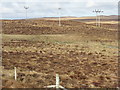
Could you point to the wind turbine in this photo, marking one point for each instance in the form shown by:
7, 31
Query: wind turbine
59, 17
26, 8
99, 11
98, 17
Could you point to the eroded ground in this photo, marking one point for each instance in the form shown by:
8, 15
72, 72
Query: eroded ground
86, 58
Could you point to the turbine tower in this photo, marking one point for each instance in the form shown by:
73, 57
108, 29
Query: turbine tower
98, 17
59, 17
26, 8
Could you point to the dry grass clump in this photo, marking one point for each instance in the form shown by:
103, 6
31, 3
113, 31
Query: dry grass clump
83, 55
76, 68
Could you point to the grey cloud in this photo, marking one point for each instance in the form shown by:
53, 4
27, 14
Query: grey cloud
43, 9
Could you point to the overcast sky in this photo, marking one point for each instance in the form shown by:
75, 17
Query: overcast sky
13, 9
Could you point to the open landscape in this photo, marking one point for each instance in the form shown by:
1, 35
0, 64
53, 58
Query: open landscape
83, 54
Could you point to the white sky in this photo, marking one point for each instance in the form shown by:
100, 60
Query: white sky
49, 8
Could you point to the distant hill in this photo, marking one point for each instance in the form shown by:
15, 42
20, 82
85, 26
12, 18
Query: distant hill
86, 18
112, 19
89, 18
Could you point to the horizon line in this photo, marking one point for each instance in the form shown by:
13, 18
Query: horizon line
51, 17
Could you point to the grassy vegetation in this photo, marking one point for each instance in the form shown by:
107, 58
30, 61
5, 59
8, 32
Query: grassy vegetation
72, 39
86, 58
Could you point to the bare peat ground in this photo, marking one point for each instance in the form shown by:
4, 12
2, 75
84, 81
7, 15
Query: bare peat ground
83, 55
